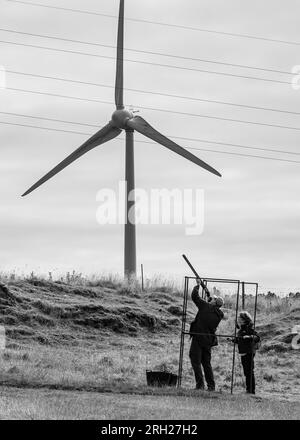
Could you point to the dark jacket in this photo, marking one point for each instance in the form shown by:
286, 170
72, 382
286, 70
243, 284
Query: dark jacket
206, 320
248, 345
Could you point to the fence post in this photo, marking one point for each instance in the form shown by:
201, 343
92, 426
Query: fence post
243, 295
234, 345
142, 273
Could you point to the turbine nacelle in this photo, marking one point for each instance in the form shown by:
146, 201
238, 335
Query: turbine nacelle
121, 117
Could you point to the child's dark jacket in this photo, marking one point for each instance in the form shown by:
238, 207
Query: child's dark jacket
247, 345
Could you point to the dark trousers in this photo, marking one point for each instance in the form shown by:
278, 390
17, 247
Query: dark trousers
248, 367
201, 356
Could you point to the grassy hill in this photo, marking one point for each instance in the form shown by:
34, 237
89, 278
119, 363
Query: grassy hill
101, 335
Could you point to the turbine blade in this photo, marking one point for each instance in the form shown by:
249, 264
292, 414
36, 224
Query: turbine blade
139, 124
120, 59
104, 135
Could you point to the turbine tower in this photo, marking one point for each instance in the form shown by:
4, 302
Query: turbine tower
123, 119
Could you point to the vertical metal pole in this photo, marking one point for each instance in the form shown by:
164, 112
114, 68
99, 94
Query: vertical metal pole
243, 295
235, 323
254, 322
183, 321
181, 336
183, 327
255, 304
142, 274
130, 234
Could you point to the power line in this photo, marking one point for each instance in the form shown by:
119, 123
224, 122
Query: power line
56, 95
220, 118
149, 142
211, 31
149, 52
245, 155
148, 63
207, 141
154, 93
44, 128
51, 119
158, 110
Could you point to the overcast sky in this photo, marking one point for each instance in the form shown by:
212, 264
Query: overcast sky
251, 214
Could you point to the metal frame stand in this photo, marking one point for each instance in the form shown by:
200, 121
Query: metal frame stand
238, 284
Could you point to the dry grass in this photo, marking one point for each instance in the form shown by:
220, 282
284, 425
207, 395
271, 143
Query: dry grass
65, 405
103, 336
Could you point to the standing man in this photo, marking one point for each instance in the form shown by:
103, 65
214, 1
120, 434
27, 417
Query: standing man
206, 322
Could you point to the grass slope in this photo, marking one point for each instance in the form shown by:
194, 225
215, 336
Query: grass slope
102, 336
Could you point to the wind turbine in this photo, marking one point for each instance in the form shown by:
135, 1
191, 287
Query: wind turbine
123, 119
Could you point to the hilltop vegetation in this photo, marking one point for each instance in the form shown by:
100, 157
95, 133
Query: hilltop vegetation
53, 313
102, 335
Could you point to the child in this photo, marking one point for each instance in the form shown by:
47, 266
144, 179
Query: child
248, 341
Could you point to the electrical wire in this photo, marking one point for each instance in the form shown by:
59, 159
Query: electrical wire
22, 115
157, 110
229, 34
148, 63
169, 95
244, 155
243, 66
149, 142
207, 141
44, 128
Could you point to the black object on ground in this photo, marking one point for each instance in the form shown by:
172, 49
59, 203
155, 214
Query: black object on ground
161, 379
